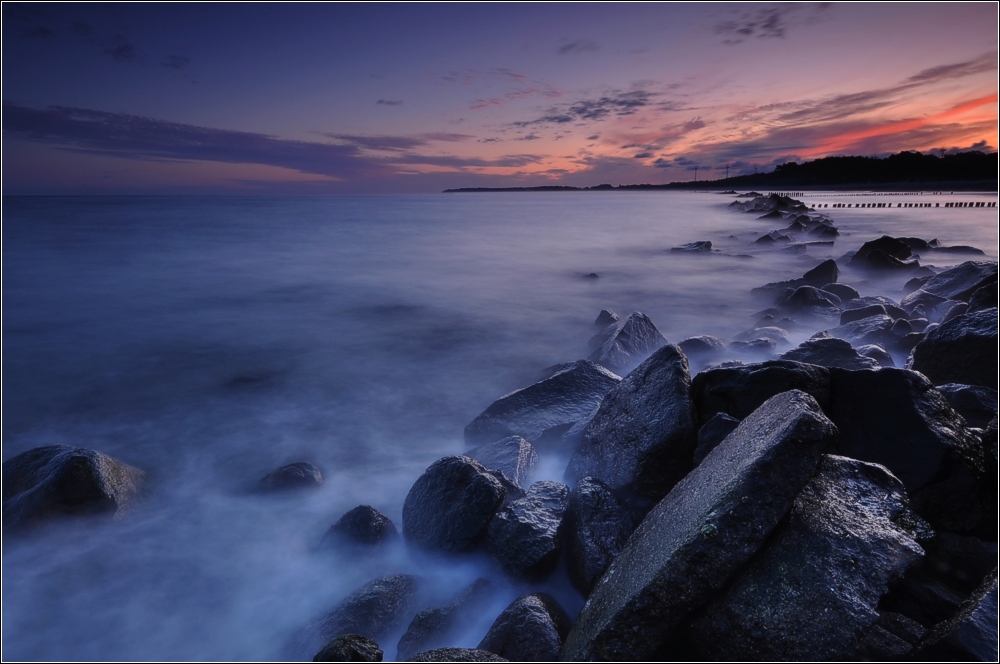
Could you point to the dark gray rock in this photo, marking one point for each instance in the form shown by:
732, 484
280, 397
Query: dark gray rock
824, 273
851, 315
703, 345
298, 475
712, 433
892, 308
531, 629
449, 507
640, 440
889, 638
438, 626
952, 310
870, 330
977, 405
514, 456
362, 526
760, 347
878, 353
810, 298
524, 536
971, 635
738, 391
918, 324
350, 648
830, 353
885, 252
775, 334
693, 542
812, 593
984, 298
961, 281
843, 291
921, 298
963, 350
915, 283
545, 409
627, 343
694, 247
605, 318
59, 481
456, 655
595, 529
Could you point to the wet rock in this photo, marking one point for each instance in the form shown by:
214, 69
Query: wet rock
436, 627
362, 526
772, 237
885, 252
892, 308
810, 298
977, 405
984, 298
960, 249
591, 275
915, 283
775, 334
703, 532
971, 635
870, 330
531, 629
738, 391
921, 298
961, 281
852, 315
703, 345
456, 655
605, 318
350, 648
524, 536
546, 409
812, 593
298, 475
596, 528
877, 353
890, 638
900, 328
830, 353
843, 291
824, 273
763, 347
514, 456
694, 247
60, 481
627, 343
451, 504
712, 433
918, 324
909, 342
963, 350
954, 310
640, 440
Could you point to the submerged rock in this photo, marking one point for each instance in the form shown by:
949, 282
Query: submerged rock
596, 527
524, 536
627, 343
830, 353
436, 627
350, 648
60, 481
694, 247
963, 350
514, 456
531, 629
702, 345
362, 526
293, 476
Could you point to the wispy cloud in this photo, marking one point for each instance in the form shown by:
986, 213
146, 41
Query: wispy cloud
389, 102
616, 104
769, 22
579, 46
177, 62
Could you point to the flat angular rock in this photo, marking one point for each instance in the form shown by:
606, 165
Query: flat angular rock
870, 330
640, 440
627, 343
977, 405
524, 536
738, 391
298, 475
760, 347
692, 543
712, 433
963, 350
812, 593
775, 334
825, 273
830, 353
892, 308
60, 481
961, 281
531, 629
362, 526
971, 635
457, 655
436, 627
514, 456
852, 315
921, 298
605, 318
595, 529
449, 507
350, 648
809, 298
546, 408
843, 291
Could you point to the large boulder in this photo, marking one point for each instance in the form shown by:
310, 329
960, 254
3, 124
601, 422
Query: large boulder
595, 529
514, 456
546, 409
706, 529
362, 526
810, 299
350, 648
977, 405
59, 480
870, 330
449, 507
830, 353
438, 626
961, 281
984, 297
457, 655
524, 536
712, 433
969, 636
892, 308
531, 629
738, 391
626, 343
963, 350
812, 593
851, 315
640, 440
884, 253
824, 273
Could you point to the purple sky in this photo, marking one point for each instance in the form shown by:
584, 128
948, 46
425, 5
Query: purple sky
206, 98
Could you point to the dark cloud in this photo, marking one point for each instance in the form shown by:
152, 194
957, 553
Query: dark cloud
510, 161
530, 137
177, 62
579, 46
593, 137
120, 49
769, 22
40, 32
642, 155
80, 28
397, 143
448, 137
389, 102
984, 63
614, 105
662, 163
490, 140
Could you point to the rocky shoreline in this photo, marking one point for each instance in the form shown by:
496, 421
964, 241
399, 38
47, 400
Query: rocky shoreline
723, 500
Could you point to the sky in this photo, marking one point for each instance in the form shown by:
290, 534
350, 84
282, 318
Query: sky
401, 98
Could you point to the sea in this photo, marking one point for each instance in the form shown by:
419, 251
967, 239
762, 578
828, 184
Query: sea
210, 340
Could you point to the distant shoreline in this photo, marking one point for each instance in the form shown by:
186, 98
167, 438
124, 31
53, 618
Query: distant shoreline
984, 186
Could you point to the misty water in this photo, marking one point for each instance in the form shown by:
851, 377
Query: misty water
211, 340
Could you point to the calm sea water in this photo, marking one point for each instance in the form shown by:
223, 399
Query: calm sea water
210, 340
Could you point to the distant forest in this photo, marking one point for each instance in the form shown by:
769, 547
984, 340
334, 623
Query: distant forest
902, 168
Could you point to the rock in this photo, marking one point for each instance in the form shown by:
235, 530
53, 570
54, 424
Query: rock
627, 343
435, 627
738, 391
843, 291
513, 456
591, 275
885, 252
451, 504
830, 353
756, 346
890, 637
703, 345
524, 536
963, 350
456, 655
971, 635
921, 298
915, 283
950, 309
605, 318
694, 247
362, 526
375, 610
812, 593
692, 543
596, 527
640, 440
870, 330
984, 298
293, 476
350, 648
59, 481
960, 249
772, 237
961, 281
824, 273
852, 315
775, 334
977, 405
891, 307
531, 629
918, 324
900, 328
546, 409
711, 433
877, 353
809, 298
